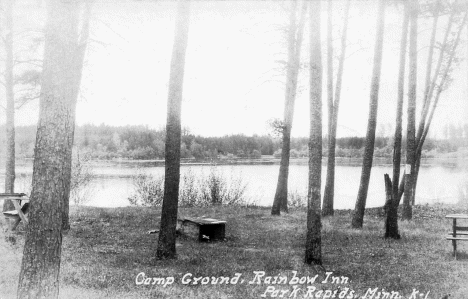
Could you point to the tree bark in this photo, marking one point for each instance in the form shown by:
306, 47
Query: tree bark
313, 253
10, 107
329, 193
411, 124
391, 224
358, 216
167, 235
40, 267
294, 56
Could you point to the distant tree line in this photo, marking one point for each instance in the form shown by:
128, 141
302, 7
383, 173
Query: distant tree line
141, 143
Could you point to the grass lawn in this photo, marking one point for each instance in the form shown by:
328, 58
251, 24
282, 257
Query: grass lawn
107, 248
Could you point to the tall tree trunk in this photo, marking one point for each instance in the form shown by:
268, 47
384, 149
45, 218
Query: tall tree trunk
313, 253
167, 234
40, 267
329, 193
327, 208
294, 55
391, 224
10, 107
411, 124
281, 194
358, 215
399, 110
78, 60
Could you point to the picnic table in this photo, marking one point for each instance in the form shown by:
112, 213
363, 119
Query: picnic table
21, 203
205, 229
458, 233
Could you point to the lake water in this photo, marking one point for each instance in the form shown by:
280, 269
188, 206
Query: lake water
113, 182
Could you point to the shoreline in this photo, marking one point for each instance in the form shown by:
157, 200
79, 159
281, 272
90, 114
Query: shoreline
266, 160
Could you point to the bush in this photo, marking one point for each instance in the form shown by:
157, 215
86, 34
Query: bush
142, 153
277, 153
189, 193
217, 190
149, 190
256, 154
81, 177
293, 153
214, 189
296, 200
235, 194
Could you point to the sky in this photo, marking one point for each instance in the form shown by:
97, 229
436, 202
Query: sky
234, 81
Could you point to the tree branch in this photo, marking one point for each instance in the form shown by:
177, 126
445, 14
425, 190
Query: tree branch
25, 101
35, 62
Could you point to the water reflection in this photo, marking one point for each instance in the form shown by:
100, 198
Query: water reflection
113, 184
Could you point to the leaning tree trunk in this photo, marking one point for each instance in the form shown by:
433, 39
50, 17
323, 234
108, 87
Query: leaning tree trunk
78, 60
281, 195
407, 213
10, 106
329, 193
358, 215
391, 223
428, 89
294, 53
429, 94
313, 253
40, 267
167, 233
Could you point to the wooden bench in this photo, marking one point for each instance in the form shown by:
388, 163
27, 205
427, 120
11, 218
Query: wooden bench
458, 233
204, 229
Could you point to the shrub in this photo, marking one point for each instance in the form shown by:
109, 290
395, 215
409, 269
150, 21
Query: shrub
214, 189
81, 177
149, 190
277, 153
293, 153
189, 193
296, 200
235, 193
143, 153
256, 154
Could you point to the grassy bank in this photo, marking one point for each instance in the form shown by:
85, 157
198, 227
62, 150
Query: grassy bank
107, 248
